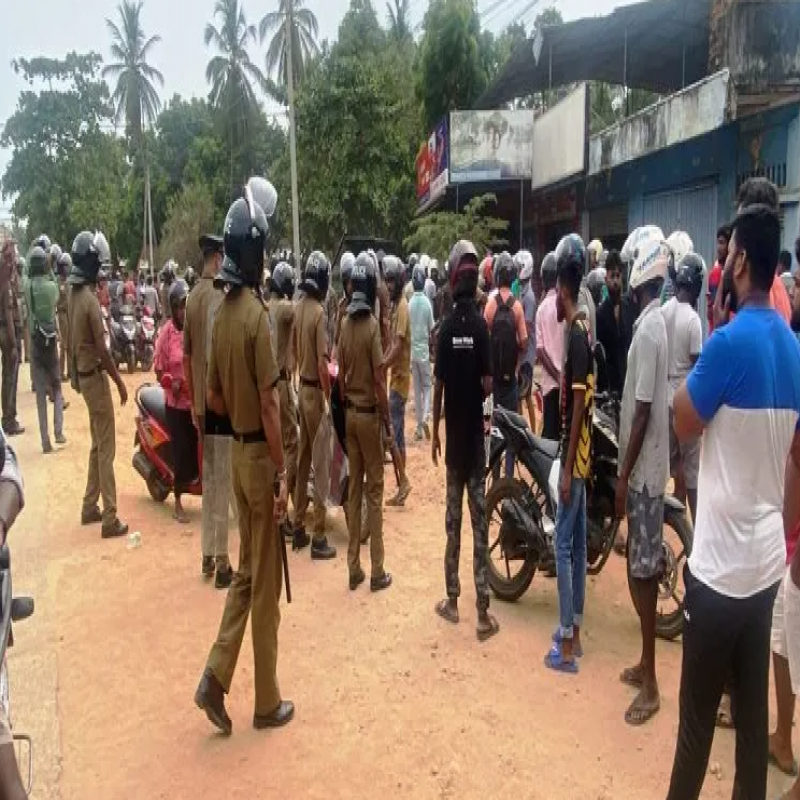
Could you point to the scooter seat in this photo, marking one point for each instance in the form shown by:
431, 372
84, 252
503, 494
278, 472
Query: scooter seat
152, 400
546, 447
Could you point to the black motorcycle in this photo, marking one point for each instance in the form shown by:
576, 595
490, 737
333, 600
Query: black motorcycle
521, 513
123, 338
12, 609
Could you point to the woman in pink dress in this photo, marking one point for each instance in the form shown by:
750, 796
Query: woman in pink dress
169, 362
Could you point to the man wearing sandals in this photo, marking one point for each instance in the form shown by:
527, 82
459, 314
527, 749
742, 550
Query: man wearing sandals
464, 380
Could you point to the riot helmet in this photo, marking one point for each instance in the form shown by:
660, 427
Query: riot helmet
503, 270
90, 251
346, 264
317, 275
190, 276
43, 241
64, 265
263, 194
418, 278
282, 281
365, 286
37, 261
245, 236
393, 275
178, 293
690, 274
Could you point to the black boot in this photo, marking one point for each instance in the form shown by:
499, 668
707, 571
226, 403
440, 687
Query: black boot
210, 697
300, 539
321, 550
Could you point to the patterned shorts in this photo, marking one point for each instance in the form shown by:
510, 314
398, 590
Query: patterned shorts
645, 533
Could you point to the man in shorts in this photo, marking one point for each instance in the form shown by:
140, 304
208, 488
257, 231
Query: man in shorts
644, 464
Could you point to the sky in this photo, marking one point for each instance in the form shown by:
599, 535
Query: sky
54, 27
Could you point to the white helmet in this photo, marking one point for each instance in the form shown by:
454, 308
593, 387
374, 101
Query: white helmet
632, 243
680, 244
523, 261
425, 263
651, 261
596, 247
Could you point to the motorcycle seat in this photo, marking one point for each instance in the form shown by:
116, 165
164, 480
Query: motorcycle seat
151, 398
545, 446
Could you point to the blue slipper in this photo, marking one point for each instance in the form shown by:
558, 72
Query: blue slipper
554, 661
557, 640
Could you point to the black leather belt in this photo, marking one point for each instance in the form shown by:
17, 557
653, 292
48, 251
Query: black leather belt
90, 373
254, 437
360, 409
313, 384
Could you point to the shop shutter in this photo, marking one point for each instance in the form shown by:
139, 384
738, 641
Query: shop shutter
608, 222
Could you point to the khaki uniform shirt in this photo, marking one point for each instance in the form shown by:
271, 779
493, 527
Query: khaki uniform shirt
201, 307
87, 334
63, 293
241, 363
311, 337
384, 314
360, 358
401, 369
281, 313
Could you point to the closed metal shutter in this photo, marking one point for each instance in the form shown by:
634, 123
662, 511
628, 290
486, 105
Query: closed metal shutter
608, 221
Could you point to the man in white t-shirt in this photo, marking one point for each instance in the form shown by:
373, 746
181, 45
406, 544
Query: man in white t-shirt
684, 342
743, 395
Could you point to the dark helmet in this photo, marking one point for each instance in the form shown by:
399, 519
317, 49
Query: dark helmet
595, 282
37, 261
418, 278
43, 241
503, 269
691, 272
55, 253
365, 285
282, 280
178, 293
413, 260
317, 275
64, 265
549, 269
571, 250
463, 259
90, 251
190, 276
393, 271
346, 264
246, 232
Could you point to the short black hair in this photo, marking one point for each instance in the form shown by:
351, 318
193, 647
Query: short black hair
724, 232
758, 232
785, 260
613, 261
570, 277
759, 191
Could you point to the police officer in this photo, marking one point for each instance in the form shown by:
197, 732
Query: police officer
63, 268
190, 277
363, 385
9, 343
92, 364
311, 346
281, 313
346, 264
242, 384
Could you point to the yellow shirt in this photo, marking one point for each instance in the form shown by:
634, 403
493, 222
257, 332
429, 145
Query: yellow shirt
401, 369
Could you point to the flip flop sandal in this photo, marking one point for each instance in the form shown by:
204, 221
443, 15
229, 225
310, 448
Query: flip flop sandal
487, 633
791, 772
553, 660
446, 613
556, 639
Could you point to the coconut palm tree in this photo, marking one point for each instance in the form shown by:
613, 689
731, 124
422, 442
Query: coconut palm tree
305, 30
399, 20
231, 73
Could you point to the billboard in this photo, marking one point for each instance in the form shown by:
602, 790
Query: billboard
559, 140
491, 146
433, 161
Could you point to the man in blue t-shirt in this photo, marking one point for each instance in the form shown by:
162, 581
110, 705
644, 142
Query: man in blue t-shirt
743, 395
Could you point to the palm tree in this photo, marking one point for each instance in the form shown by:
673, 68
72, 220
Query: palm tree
399, 20
135, 96
231, 73
305, 30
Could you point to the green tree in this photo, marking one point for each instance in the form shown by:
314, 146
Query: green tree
452, 74
438, 232
399, 12
190, 214
305, 30
360, 33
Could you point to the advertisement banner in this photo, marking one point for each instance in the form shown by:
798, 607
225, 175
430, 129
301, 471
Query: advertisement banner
491, 146
433, 161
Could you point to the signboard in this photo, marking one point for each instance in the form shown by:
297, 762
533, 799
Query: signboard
433, 175
491, 146
559, 140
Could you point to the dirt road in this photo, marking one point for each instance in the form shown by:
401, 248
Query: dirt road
391, 701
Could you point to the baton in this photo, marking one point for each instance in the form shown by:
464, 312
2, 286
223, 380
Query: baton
284, 557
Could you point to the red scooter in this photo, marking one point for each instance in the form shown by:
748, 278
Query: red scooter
153, 459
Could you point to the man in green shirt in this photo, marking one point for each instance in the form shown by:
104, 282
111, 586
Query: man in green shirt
41, 295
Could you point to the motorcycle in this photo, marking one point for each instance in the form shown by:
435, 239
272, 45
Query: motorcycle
153, 458
145, 337
522, 511
123, 338
12, 609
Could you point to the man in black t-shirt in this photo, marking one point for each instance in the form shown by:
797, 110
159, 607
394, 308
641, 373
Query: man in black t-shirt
615, 318
464, 380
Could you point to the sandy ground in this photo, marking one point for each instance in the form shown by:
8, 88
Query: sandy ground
391, 701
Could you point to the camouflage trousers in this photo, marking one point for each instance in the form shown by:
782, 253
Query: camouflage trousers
476, 499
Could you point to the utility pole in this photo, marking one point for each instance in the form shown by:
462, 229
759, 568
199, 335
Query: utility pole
292, 136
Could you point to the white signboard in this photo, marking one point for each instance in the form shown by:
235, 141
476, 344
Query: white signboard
559, 140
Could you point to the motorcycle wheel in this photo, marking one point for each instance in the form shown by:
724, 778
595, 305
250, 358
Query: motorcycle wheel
677, 547
506, 586
158, 491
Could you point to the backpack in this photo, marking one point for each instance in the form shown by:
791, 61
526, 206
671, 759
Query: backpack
504, 341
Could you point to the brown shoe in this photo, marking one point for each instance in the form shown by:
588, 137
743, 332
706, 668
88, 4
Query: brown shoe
114, 530
210, 697
91, 516
281, 716
224, 578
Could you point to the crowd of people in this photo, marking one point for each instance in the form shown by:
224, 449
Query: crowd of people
251, 368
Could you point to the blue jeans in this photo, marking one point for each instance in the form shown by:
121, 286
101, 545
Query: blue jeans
571, 557
397, 413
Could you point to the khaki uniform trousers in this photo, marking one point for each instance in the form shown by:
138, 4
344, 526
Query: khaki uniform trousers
217, 494
63, 329
258, 582
289, 434
365, 458
96, 392
312, 407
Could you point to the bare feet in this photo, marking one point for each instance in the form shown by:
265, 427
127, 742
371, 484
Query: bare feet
180, 515
448, 610
644, 706
487, 626
782, 756
632, 676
